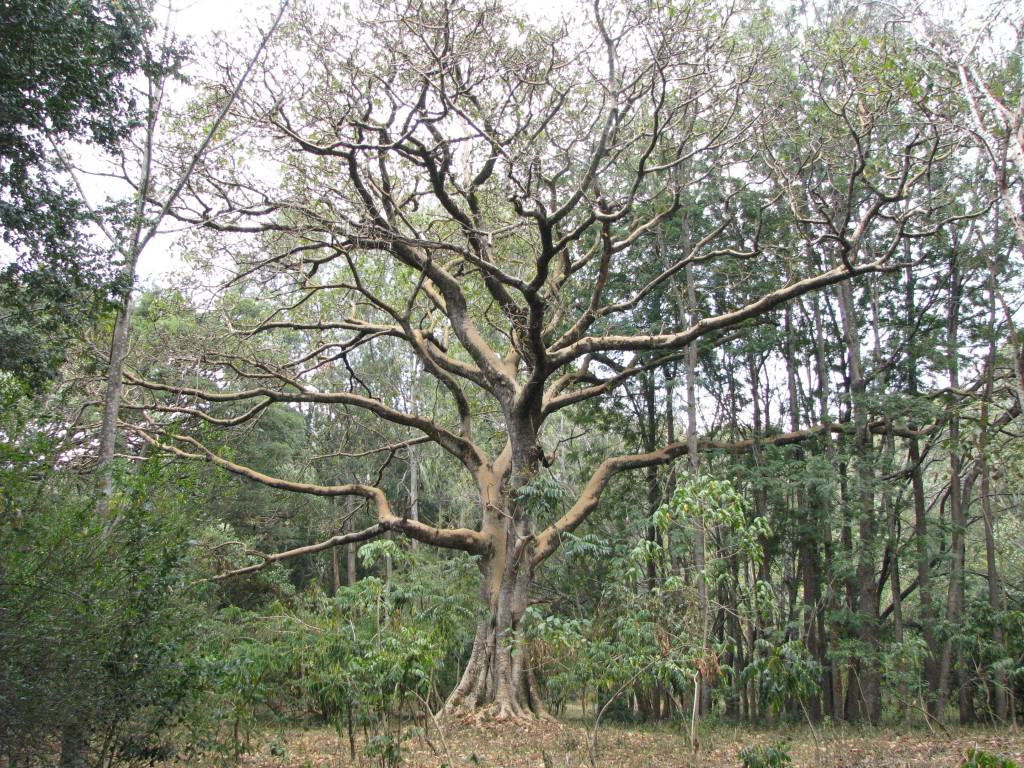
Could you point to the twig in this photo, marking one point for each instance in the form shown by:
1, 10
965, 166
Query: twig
437, 727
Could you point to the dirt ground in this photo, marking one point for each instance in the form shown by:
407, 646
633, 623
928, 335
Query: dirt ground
561, 745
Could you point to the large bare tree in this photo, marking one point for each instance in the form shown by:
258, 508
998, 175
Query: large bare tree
486, 194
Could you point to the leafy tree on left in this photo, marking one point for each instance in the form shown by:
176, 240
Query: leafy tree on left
65, 67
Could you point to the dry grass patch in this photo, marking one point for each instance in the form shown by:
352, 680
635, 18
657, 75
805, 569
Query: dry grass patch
564, 745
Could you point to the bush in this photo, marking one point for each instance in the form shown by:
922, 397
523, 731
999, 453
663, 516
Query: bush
96, 626
766, 756
370, 658
977, 758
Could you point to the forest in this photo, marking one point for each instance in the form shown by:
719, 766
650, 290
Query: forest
615, 383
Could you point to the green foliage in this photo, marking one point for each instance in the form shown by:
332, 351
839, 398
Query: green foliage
903, 663
384, 751
766, 756
98, 626
640, 639
374, 551
367, 657
645, 630
64, 70
219, 547
783, 671
541, 496
978, 758
717, 503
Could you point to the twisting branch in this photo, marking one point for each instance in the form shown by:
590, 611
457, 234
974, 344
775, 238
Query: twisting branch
464, 450
669, 341
375, 530
448, 538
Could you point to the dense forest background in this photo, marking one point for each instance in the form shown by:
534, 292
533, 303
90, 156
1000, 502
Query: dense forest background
658, 363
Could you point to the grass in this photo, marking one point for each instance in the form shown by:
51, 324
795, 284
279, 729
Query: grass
564, 745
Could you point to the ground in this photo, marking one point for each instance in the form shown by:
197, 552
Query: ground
562, 745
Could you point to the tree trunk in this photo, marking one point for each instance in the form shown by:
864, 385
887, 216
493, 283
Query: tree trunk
414, 489
649, 433
352, 549
498, 680
832, 680
957, 518
808, 525
869, 676
926, 608
74, 745
335, 572
995, 595
893, 543
995, 587
693, 459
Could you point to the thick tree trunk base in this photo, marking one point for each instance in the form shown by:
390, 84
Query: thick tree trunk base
498, 683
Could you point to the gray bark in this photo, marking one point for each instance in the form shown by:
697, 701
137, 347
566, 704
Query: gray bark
868, 673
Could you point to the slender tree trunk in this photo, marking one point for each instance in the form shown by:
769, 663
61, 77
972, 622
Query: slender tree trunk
649, 432
894, 544
995, 596
869, 677
75, 738
334, 580
352, 549
693, 459
688, 310
832, 678
670, 437
888, 503
958, 522
995, 587
760, 510
926, 609
112, 396
414, 489
649, 698
737, 629
809, 529
131, 249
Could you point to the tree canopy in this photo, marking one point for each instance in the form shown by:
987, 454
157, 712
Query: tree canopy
65, 70
510, 204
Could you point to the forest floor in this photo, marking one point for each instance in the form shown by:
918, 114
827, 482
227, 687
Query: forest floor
565, 745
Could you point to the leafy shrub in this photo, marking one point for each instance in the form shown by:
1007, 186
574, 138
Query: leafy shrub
384, 750
783, 671
97, 623
766, 756
369, 657
977, 758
